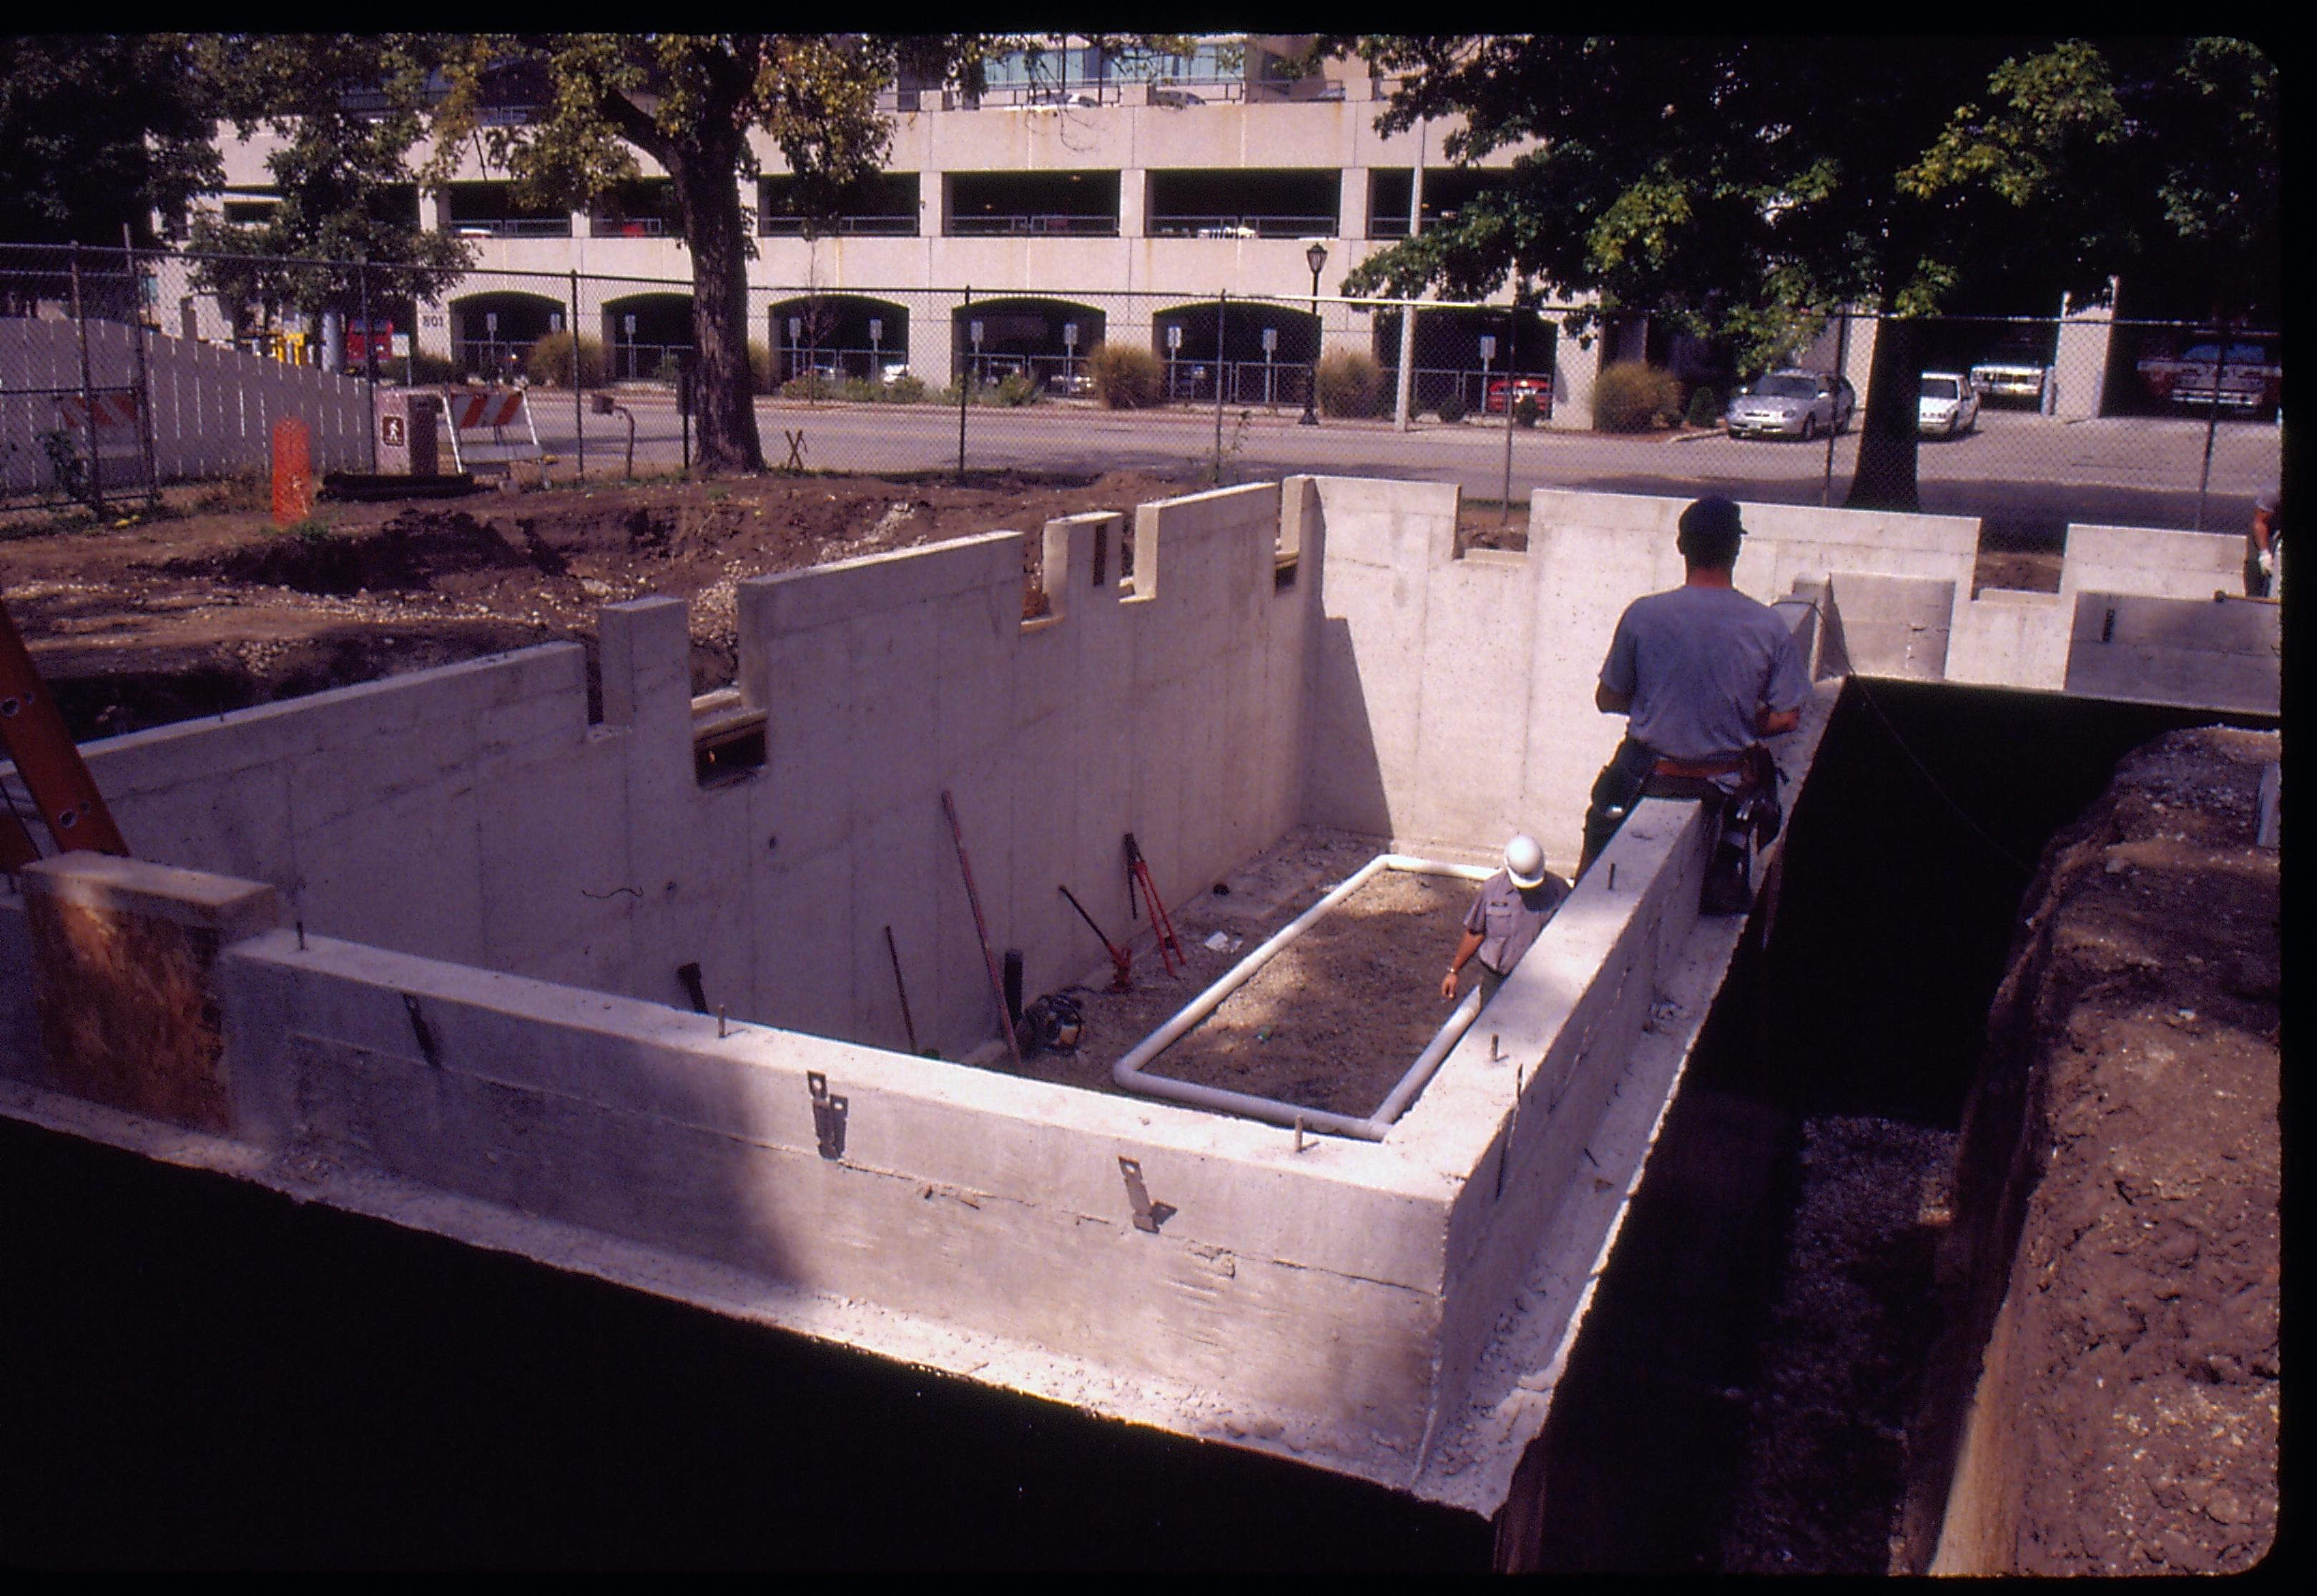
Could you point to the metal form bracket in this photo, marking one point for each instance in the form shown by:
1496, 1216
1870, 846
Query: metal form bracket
1147, 1215
828, 1116
430, 1049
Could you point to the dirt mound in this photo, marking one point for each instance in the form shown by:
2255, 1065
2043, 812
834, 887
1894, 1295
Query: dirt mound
2117, 1244
209, 607
409, 553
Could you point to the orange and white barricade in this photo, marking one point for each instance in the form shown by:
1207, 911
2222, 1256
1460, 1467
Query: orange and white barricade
118, 437
497, 408
114, 410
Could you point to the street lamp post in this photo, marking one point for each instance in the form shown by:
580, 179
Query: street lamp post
1317, 258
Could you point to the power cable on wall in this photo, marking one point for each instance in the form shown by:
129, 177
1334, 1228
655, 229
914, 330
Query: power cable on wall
1944, 796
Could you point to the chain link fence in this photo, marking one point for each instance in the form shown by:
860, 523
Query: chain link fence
121, 371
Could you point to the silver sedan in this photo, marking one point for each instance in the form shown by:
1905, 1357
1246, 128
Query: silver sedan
1792, 404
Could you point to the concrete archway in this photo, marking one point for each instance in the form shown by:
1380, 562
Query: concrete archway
1449, 351
491, 333
643, 334
842, 334
1046, 339
1250, 373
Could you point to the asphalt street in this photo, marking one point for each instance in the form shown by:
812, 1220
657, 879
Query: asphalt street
2016, 467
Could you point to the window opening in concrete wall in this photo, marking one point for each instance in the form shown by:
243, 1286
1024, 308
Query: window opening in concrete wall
1285, 203
998, 204
727, 738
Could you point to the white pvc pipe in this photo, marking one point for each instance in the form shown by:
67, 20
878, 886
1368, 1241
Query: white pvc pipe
1127, 1072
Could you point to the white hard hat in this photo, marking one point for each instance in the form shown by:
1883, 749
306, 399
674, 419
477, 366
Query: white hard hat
1525, 861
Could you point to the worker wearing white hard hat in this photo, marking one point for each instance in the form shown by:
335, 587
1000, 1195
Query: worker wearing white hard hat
1508, 913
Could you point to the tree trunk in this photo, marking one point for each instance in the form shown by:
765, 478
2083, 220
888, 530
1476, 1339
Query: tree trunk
1886, 478
723, 391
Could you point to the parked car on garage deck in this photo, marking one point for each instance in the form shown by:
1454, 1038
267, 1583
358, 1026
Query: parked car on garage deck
1790, 405
1945, 404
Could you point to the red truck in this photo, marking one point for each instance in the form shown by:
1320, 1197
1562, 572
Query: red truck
2250, 379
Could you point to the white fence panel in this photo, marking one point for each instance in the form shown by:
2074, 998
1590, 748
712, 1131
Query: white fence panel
212, 409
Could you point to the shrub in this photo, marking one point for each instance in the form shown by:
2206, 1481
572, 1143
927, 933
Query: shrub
427, 368
1526, 411
1704, 407
1632, 397
1350, 383
808, 384
1453, 409
550, 361
760, 368
1018, 388
670, 368
905, 390
1125, 376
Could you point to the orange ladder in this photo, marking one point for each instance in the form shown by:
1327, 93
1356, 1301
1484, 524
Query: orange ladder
32, 734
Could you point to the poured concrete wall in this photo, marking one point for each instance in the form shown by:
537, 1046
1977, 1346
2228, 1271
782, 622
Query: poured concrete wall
1452, 697
1168, 706
472, 813
486, 1040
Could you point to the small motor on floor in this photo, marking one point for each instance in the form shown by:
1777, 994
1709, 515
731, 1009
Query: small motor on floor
1052, 1024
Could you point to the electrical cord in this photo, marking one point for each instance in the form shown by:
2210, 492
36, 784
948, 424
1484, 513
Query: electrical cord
1921, 769
1933, 781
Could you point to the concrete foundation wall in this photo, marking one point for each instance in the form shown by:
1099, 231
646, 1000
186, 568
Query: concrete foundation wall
1452, 697
496, 895
1302, 1291
2222, 654
1167, 705
472, 813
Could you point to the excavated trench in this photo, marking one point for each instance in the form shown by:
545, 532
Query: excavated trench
202, 1371
1739, 1398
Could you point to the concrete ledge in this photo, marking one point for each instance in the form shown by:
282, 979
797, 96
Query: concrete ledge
122, 954
1888, 625
2151, 561
2222, 655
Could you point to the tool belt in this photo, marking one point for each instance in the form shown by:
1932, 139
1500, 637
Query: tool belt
1700, 770
1637, 771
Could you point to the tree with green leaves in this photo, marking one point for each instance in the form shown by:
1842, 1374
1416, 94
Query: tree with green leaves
98, 132
98, 135
351, 114
1747, 187
692, 101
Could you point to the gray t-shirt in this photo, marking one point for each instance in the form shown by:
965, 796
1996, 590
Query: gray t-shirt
1507, 920
1696, 662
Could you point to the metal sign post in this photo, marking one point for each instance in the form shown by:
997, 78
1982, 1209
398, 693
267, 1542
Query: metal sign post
1512, 396
579, 396
87, 393
370, 360
964, 379
1222, 309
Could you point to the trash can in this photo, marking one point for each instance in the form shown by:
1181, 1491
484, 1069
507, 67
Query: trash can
408, 432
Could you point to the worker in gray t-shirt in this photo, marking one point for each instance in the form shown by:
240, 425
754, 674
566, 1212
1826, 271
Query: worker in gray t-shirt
1508, 913
1702, 673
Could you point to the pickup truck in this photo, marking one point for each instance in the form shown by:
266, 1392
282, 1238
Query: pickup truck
2250, 379
2015, 371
